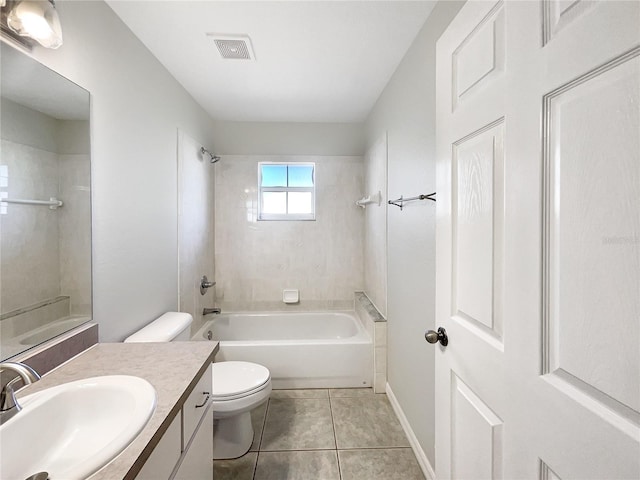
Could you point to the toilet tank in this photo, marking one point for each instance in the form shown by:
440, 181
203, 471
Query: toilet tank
170, 327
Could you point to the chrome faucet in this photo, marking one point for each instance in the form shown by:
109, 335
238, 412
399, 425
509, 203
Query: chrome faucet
207, 311
9, 405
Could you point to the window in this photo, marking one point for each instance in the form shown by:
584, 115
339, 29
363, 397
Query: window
287, 191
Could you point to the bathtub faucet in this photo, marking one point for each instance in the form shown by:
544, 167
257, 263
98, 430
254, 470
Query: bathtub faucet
207, 311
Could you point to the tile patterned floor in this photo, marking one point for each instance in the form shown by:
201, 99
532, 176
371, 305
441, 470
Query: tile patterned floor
335, 434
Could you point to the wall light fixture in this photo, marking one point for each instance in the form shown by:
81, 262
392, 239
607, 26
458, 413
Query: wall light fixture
35, 19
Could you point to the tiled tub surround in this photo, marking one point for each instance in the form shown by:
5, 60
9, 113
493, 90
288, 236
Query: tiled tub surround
376, 326
336, 434
172, 368
74, 224
45, 258
26, 327
45, 253
256, 260
375, 227
300, 349
30, 255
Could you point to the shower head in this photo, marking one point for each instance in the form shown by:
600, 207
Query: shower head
213, 158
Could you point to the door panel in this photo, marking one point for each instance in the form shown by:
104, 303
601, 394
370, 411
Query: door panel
470, 239
476, 435
479, 57
558, 14
591, 274
538, 250
477, 203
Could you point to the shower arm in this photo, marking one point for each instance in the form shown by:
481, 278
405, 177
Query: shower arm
213, 158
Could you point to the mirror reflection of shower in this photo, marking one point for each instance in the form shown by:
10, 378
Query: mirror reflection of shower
45, 207
213, 158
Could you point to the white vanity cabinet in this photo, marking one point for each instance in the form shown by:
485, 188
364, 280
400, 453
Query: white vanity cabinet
185, 451
197, 461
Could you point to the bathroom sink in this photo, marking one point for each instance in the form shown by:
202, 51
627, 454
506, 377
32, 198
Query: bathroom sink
74, 429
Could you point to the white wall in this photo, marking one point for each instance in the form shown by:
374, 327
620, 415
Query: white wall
276, 138
135, 112
255, 260
406, 110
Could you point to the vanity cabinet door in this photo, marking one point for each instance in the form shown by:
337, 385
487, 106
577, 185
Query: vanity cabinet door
196, 405
197, 462
185, 451
164, 457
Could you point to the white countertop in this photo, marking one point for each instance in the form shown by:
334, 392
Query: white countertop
172, 368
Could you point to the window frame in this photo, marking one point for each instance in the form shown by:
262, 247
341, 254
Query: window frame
287, 216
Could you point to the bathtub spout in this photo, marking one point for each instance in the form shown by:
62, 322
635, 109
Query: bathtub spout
207, 311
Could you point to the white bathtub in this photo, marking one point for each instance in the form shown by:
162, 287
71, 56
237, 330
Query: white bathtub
301, 350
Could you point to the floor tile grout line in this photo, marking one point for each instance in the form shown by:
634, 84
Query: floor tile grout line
278, 397
255, 466
335, 437
264, 423
300, 450
373, 448
332, 449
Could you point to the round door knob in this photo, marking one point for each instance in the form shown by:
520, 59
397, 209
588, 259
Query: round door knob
439, 336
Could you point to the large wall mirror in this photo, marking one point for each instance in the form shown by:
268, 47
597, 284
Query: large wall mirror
45, 204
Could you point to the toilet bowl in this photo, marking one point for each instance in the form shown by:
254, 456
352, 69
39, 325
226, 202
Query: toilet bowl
238, 388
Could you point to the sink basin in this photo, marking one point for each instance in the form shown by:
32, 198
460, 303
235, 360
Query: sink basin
74, 429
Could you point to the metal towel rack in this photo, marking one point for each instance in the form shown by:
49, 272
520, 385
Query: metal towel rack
53, 203
399, 202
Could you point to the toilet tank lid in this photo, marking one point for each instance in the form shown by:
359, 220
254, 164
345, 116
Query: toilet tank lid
164, 329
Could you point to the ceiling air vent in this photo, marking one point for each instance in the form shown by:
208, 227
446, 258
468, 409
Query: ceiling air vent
235, 47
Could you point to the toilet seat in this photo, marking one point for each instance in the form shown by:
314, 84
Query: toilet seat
233, 380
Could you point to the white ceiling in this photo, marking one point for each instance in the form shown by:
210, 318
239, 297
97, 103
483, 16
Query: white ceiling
316, 61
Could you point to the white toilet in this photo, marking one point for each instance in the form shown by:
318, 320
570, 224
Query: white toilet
169, 327
238, 387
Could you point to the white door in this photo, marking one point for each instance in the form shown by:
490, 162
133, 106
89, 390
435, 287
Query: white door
195, 226
538, 241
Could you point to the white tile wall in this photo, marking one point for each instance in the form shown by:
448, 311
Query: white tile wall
196, 245
30, 253
46, 253
74, 223
376, 326
255, 260
375, 236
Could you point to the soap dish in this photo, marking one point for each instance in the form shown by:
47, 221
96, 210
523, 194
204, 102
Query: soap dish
291, 296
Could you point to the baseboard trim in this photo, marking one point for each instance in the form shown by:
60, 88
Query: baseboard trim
423, 461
